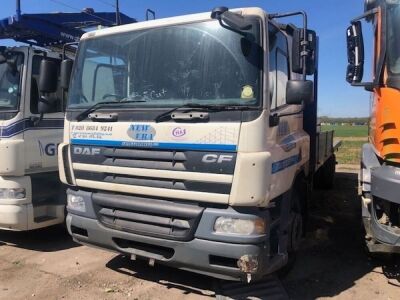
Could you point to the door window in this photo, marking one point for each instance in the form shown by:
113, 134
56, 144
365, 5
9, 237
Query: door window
278, 67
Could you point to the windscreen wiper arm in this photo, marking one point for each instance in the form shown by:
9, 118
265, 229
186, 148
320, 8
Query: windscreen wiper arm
83, 115
167, 115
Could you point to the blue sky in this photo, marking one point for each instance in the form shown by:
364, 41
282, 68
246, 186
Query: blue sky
328, 17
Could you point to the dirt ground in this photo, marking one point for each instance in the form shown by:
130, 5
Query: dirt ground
46, 264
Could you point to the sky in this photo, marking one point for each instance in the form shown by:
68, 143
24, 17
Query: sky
329, 18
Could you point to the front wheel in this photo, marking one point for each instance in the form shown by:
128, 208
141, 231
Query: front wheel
298, 215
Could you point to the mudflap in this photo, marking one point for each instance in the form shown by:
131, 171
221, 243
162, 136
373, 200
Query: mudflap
270, 287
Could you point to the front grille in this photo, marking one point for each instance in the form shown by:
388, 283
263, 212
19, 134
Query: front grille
163, 183
188, 161
176, 171
147, 216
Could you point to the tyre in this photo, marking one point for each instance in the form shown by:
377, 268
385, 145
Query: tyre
298, 217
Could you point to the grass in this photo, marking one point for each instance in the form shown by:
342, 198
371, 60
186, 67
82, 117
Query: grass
353, 137
349, 152
347, 130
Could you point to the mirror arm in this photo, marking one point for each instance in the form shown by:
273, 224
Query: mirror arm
37, 120
365, 15
304, 42
274, 118
369, 86
65, 46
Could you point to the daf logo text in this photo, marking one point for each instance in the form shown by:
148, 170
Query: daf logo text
86, 151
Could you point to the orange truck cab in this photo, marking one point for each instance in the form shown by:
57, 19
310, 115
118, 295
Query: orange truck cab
380, 159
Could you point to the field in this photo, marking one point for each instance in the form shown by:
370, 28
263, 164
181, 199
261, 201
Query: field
347, 130
352, 137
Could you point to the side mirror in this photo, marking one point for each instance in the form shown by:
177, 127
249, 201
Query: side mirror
47, 84
48, 76
299, 91
65, 73
355, 53
297, 48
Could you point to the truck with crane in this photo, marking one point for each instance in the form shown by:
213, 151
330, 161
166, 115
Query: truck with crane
192, 141
380, 158
31, 195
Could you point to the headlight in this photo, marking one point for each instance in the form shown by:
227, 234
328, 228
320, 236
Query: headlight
17, 193
76, 203
239, 226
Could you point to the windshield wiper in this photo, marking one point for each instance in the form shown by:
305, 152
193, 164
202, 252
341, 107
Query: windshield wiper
210, 108
83, 115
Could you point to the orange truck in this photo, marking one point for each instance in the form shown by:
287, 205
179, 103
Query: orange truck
380, 159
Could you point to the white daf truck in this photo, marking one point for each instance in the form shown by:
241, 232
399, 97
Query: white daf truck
192, 141
31, 114
28, 145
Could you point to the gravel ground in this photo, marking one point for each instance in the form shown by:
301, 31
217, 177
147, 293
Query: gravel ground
331, 263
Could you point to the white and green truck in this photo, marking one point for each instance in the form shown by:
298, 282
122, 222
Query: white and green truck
192, 141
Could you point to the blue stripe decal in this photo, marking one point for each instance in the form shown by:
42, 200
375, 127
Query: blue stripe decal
285, 163
155, 145
28, 124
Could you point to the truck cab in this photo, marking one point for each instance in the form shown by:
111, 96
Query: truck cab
187, 141
380, 158
31, 194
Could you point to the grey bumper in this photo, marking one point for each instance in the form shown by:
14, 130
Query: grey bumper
203, 252
192, 256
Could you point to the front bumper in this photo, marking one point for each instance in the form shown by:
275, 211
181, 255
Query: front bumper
16, 213
206, 252
14, 217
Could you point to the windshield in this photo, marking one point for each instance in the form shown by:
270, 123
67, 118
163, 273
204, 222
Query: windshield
10, 66
200, 63
393, 36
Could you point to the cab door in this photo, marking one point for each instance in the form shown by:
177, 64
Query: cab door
41, 138
286, 133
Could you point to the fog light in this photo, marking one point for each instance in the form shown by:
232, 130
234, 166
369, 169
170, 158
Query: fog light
248, 263
239, 226
76, 203
17, 193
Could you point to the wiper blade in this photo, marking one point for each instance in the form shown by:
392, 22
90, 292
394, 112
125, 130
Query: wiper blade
190, 106
83, 115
